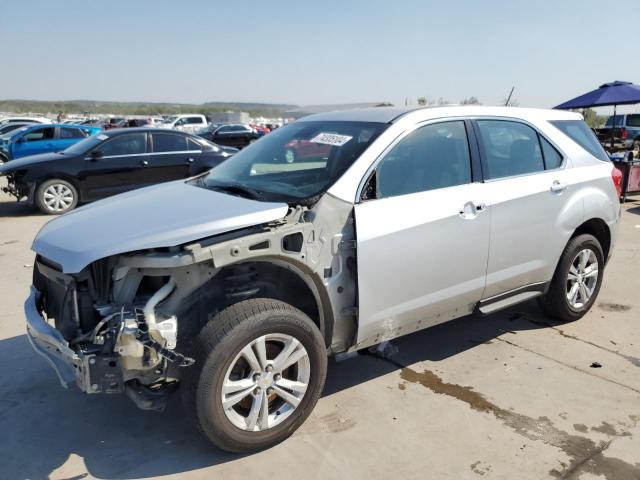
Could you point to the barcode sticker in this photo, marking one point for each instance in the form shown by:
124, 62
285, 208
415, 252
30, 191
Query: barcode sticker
333, 139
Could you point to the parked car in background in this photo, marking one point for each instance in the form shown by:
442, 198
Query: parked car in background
111, 162
305, 150
235, 286
37, 138
261, 130
25, 120
238, 136
114, 122
186, 122
625, 133
8, 127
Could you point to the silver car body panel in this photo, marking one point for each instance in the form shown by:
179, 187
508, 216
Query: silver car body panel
419, 262
164, 215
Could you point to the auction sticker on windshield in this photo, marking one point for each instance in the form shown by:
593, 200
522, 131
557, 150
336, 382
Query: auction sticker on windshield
333, 139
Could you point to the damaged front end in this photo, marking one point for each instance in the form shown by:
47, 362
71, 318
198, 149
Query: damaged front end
108, 334
16, 187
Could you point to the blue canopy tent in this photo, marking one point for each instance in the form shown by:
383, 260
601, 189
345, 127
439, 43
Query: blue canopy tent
614, 93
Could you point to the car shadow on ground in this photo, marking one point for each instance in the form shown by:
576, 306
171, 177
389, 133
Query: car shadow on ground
44, 424
17, 209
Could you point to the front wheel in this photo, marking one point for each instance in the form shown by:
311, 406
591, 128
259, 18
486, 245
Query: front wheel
56, 196
260, 369
577, 280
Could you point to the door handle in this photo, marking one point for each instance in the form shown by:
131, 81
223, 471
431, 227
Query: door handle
190, 160
558, 186
471, 210
144, 163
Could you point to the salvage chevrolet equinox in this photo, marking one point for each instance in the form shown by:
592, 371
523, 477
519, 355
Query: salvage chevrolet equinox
235, 285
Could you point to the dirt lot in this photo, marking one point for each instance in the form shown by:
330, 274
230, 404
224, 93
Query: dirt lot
510, 396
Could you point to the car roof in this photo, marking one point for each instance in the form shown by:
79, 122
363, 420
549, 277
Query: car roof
121, 131
395, 114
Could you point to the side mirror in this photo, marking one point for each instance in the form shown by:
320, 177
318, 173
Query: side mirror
95, 154
20, 140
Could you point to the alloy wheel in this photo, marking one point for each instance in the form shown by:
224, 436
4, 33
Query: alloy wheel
582, 278
265, 382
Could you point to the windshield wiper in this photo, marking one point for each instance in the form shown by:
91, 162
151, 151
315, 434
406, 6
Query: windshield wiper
238, 189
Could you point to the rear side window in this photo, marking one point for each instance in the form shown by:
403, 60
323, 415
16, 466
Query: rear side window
510, 148
163, 142
68, 133
633, 120
431, 157
579, 132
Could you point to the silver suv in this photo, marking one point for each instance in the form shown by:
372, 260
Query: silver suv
235, 285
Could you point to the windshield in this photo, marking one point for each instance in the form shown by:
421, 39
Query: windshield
85, 145
295, 162
13, 133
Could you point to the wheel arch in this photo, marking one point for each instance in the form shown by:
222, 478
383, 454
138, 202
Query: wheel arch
599, 229
280, 279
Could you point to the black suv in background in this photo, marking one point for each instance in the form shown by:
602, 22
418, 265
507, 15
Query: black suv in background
108, 163
236, 135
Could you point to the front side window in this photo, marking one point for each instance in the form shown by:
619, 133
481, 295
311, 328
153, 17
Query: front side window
579, 132
129, 144
433, 156
510, 148
67, 133
45, 133
271, 171
194, 120
166, 142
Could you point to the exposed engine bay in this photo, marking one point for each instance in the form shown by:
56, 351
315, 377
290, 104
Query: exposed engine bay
129, 319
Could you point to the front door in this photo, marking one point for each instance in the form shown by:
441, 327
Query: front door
120, 166
36, 141
423, 239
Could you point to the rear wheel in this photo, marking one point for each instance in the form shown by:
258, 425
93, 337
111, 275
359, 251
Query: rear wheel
260, 369
56, 196
577, 280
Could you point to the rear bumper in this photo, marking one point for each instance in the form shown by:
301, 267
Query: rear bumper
49, 343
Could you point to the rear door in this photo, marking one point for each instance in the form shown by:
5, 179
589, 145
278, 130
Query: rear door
35, 141
121, 165
423, 240
171, 156
526, 183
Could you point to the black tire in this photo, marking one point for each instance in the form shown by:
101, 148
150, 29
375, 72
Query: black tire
70, 201
555, 302
216, 347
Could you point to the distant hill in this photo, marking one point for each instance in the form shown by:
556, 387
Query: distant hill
139, 108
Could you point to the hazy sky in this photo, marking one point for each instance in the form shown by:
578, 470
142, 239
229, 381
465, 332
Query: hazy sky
317, 52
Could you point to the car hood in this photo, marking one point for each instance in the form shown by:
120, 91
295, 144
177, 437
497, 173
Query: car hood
29, 161
163, 215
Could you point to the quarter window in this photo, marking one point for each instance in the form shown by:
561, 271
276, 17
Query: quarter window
510, 148
433, 156
131, 144
579, 132
163, 142
552, 158
192, 145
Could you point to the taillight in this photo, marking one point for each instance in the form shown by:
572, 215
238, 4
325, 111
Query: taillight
624, 134
616, 176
